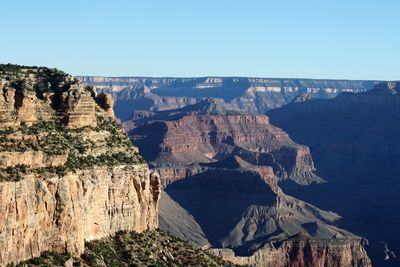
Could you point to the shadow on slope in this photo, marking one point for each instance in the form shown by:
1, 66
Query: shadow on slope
354, 142
217, 199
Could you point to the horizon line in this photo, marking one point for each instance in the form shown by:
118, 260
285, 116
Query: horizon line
233, 76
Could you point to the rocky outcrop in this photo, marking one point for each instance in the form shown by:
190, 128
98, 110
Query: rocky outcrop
80, 107
68, 173
206, 133
301, 250
106, 102
35, 159
38, 94
251, 95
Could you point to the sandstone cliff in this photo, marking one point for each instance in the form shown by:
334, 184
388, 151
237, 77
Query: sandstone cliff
68, 173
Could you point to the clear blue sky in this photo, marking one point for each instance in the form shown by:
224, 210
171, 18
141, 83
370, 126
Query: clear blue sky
354, 39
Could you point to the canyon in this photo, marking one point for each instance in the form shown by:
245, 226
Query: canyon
353, 140
207, 166
251, 95
221, 171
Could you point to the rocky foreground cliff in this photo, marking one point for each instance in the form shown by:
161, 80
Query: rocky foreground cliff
68, 173
150, 248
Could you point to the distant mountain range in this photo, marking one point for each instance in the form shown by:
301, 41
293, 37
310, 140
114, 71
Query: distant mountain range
251, 95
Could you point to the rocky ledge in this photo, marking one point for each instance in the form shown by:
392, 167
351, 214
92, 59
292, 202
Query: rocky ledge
300, 250
68, 173
150, 248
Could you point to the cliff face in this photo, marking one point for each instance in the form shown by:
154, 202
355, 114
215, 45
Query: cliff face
221, 170
252, 95
354, 141
212, 136
68, 173
302, 251
61, 213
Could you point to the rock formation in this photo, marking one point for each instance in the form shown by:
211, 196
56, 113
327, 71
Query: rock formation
221, 170
354, 141
208, 134
252, 95
300, 250
68, 173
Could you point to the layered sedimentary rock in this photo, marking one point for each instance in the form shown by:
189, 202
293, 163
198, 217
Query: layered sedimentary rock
206, 133
80, 107
68, 173
301, 250
61, 213
252, 95
33, 158
221, 171
354, 141
33, 95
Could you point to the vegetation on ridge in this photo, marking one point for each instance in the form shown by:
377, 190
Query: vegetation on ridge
82, 150
43, 79
151, 248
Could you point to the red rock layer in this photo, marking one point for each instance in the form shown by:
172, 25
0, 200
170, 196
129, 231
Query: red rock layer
303, 252
190, 132
195, 139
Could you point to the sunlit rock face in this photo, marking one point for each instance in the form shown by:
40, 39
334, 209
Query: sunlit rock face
68, 172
